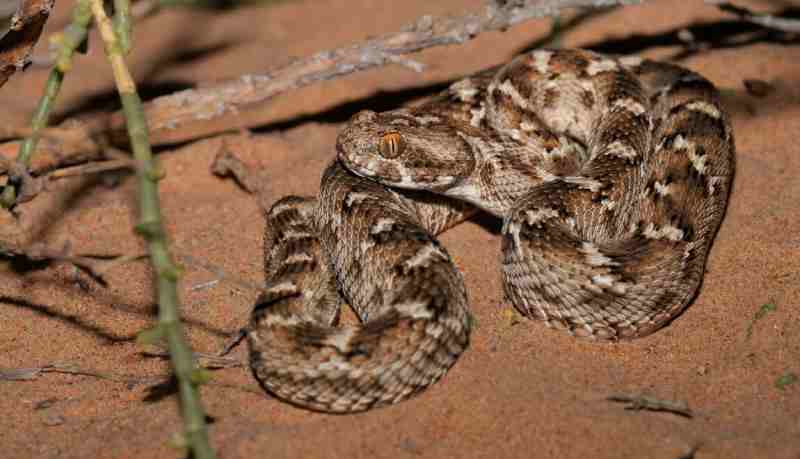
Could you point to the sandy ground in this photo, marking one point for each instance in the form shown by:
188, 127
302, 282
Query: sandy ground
521, 390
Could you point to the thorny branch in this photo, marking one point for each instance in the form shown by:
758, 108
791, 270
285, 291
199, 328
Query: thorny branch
175, 111
195, 432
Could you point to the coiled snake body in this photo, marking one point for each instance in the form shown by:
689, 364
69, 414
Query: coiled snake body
611, 176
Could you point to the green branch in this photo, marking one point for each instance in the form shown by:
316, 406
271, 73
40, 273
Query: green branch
122, 24
150, 227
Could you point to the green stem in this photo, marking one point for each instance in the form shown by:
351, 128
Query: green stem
122, 24
151, 228
41, 115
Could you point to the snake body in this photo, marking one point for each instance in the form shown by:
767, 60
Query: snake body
611, 176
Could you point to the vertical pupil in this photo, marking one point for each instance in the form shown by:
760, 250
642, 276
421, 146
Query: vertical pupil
391, 145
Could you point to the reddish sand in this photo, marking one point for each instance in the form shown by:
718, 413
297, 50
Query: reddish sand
521, 390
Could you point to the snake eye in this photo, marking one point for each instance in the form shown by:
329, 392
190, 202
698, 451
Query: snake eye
391, 145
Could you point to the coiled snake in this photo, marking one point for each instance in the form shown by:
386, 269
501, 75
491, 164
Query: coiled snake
611, 176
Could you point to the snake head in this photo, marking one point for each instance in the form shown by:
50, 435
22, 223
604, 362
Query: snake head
405, 149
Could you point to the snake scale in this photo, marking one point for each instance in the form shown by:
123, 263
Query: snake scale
611, 176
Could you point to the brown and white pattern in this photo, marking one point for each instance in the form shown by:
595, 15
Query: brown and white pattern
611, 176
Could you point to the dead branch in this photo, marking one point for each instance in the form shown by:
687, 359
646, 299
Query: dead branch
764, 20
31, 185
26, 27
172, 112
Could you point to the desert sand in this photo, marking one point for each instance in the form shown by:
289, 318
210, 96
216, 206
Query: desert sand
521, 390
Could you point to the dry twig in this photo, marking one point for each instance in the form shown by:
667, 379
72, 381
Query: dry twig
644, 402
96, 265
207, 361
68, 144
92, 168
28, 374
764, 20
221, 275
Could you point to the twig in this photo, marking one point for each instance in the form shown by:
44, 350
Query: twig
68, 144
96, 265
27, 374
643, 402
92, 168
221, 275
138, 11
233, 343
174, 111
14, 189
764, 20
63, 148
151, 228
208, 361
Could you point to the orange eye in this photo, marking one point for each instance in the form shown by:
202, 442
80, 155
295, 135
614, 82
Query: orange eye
391, 145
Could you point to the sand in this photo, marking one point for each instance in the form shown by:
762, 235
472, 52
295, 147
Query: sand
521, 390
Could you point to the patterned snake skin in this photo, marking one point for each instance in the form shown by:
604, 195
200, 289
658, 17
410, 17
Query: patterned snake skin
611, 176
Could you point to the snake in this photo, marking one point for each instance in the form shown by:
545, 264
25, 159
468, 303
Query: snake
611, 175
